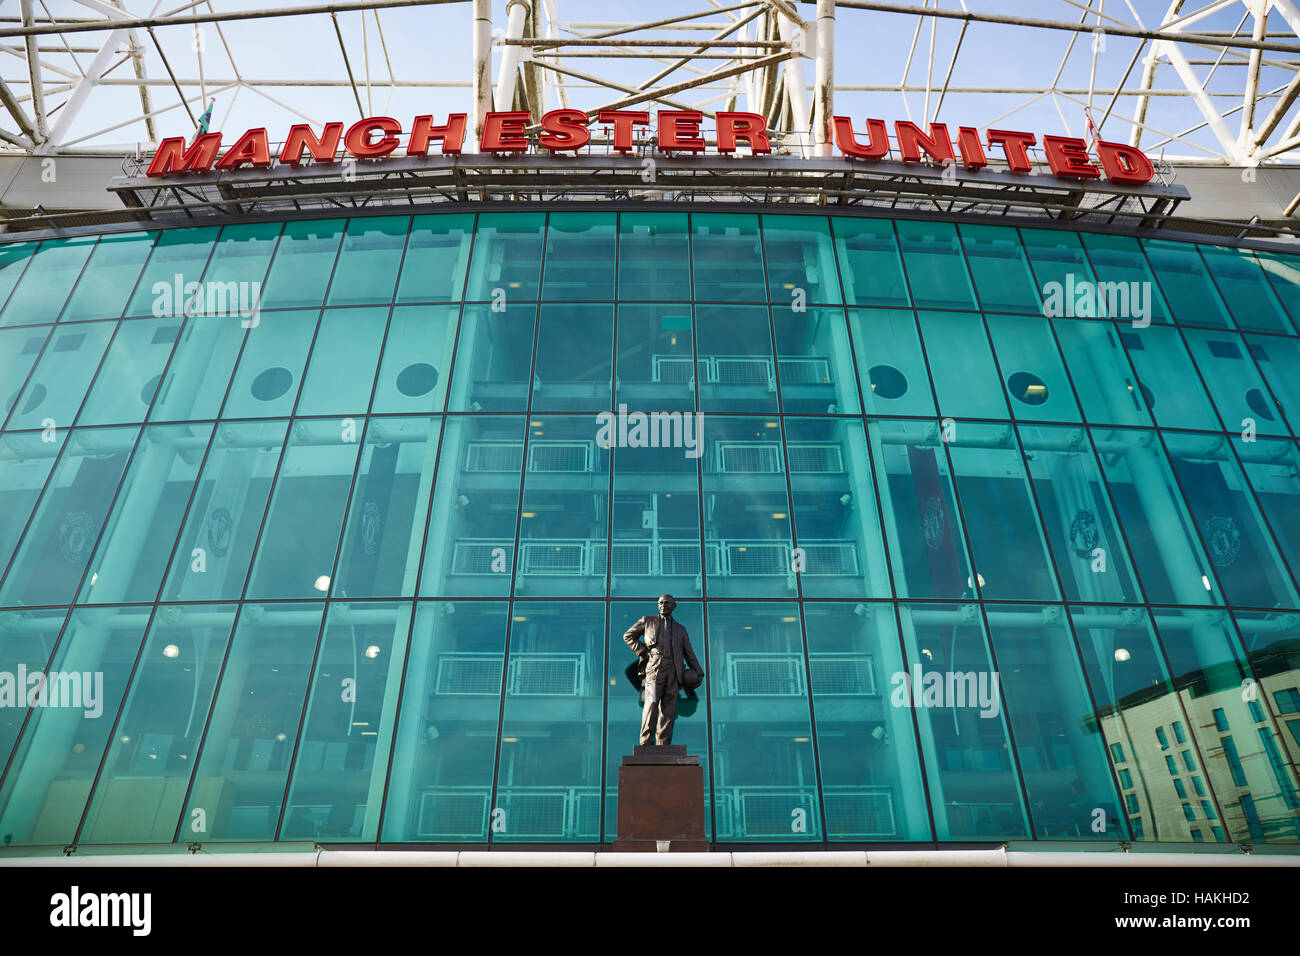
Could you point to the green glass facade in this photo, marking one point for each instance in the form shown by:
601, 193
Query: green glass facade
981, 533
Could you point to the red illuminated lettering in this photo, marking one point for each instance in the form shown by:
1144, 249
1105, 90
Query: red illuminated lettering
564, 129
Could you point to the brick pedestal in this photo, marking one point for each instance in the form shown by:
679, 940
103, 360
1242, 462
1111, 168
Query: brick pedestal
661, 798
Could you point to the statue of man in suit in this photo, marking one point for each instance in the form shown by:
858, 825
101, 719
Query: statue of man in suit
670, 665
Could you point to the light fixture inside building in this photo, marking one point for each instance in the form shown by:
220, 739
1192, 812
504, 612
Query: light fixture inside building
171, 650
1122, 654
372, 651
323, 583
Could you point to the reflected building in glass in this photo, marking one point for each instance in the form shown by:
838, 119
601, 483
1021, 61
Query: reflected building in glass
313, 529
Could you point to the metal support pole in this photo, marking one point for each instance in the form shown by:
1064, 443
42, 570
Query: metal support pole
482, 55
824, 92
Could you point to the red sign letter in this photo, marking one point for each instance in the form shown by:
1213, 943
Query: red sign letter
564, 129
422, 131
252, 148
1124, 164
911, 141
1068, 158
1016, 146
301, 137
680, 130
358, 141
623, 121
504, 133
173, 157
751, 127
972, 153
878, 143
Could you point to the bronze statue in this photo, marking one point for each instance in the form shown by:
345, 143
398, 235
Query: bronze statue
670, 666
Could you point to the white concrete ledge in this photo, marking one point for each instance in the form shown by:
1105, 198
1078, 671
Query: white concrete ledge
1109, 856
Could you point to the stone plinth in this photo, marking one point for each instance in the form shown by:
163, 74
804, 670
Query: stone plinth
661, 801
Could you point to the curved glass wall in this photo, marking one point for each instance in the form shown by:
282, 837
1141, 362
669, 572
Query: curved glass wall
330, 529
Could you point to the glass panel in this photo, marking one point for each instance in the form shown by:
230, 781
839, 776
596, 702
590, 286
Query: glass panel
41, 294
936, 271
1061, 757
239, 781
436, 256
303, 262
270, 367
381, 547
800, 261
815, 361
1032, 372
55, 762
654, 257
1245, 290
1126, 672
1091, 557
494, 357
1272, 644
869, 264
959, 354
1160, 534
1283, 272
1273, 470
1205, 657
470, 546
128, 380
179, 253
656, 520
55, 390
1120, 260
891, 366
14, 257
564, 521
574, 365
1168, 379
765, 776
926, 548
140, 534
579, 256
870, 767
342, 750
300, 537
51, 560
25, 650
1234, 382
548, 780
997, 504
109, 277
954, 693
1103, 379
1002, 277
368, 261
417, 356
27, 460
625, 704
1249, 568
506, 263
341, 372
1186, 284
445, 754
221, 528
1279, 360
728, 258
198, 376
241, 258
1057, 257
835, 515
141, 789
18, 351
656, 369
746, 509
734, 346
